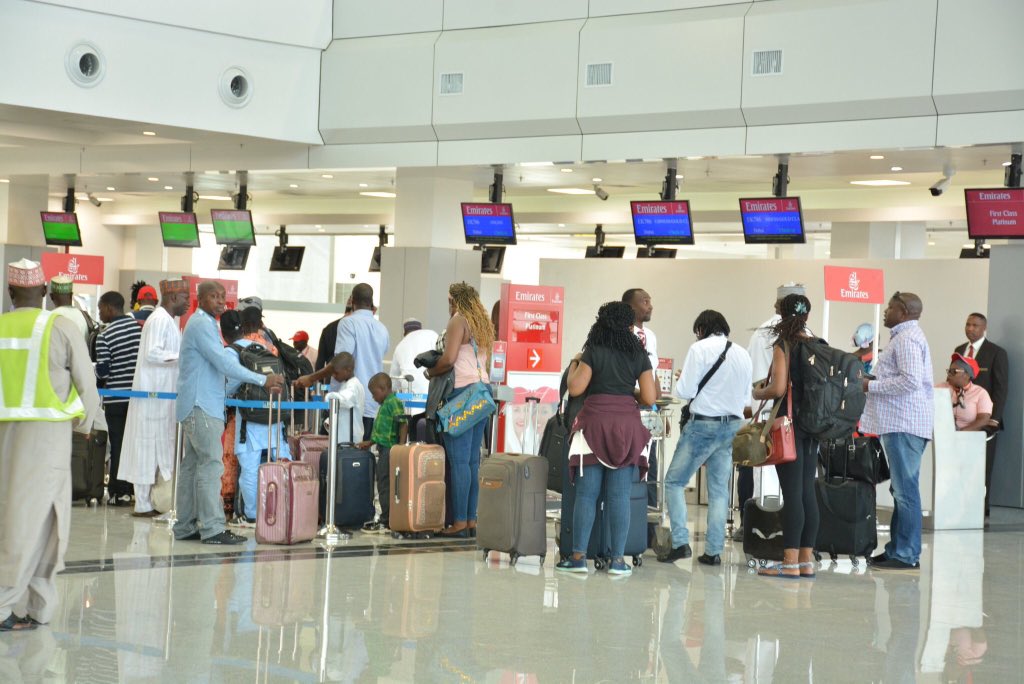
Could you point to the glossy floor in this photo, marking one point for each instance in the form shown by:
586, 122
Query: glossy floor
138, 607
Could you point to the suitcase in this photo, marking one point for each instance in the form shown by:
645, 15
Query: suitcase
416, 477
88, 465
762, 530
353, 486
287, 499
511, 510
847, 517
306, 445
554, 446
599, 546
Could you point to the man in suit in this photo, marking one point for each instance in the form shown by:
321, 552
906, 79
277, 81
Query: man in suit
993, 376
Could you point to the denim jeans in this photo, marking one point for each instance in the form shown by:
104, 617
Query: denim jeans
617, 484
464, 460
702, 442
903, 451
200, 508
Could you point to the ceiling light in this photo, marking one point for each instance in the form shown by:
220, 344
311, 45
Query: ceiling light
931, 243
168, 187
223, 198
104, 199
877, 156
1007, 163
321, 229
111, 188
881, 183
326, 175
5, 180
528, 164
695, 158
293, 185
148, 133
561, 225
571, 191
378, 194
597, 180
896, 168
363, 185
565, 170
679, 176
153, 179
318, 226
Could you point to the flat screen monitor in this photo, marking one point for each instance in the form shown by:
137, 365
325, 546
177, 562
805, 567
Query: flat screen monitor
179, 229
488, 224
772, 220
287, 258
61, 229
492, 259
972, 253
605, 252
233, 258
659, 253
233, 227
996, 213
662, 223
375, 261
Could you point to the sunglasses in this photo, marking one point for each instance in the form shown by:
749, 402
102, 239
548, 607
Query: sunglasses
954, 371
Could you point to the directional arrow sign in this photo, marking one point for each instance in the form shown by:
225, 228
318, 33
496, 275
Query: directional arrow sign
533, 357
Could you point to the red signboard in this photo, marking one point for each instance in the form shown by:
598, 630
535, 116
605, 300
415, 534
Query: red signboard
531, 324
995, 213
860, 285
82, 268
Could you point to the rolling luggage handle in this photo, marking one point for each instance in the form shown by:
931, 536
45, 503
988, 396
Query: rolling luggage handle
329, 535
179, 445
531, 425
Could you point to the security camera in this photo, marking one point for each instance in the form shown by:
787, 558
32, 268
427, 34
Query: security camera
940, 187
601, 193
93, 201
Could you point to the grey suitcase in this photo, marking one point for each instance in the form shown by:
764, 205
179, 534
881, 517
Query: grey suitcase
511, 509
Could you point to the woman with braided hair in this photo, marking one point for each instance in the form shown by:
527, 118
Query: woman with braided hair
466, 347
609, 442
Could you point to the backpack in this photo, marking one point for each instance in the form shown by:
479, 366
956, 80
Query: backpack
260, 360
833, 397
293, 363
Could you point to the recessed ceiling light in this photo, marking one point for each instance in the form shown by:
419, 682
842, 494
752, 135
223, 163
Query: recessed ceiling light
696, 158
168, 187
321, 229
896, 168
104, 199
378, 194
293, 185
215, 197
1007, 163
153, 179
5, 180
326, 175
881, 183
877, 156
536, 164
561, 225
363, 185
931, 243
597, 180
148, 132
111, 188
318, 226
679, 176
571, 191
565, 170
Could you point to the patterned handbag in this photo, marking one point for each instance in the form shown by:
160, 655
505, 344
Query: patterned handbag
476, 403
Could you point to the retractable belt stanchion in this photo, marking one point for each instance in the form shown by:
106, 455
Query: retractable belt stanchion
179, 447
329, 534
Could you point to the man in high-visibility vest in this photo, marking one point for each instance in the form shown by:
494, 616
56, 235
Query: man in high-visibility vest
47, 388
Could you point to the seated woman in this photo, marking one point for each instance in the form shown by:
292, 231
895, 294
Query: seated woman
972, 406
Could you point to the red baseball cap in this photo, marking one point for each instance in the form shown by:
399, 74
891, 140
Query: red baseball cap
971, 364
147, 292
301, 336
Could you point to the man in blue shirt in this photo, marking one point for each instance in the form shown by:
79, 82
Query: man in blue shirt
204, 366
365, 338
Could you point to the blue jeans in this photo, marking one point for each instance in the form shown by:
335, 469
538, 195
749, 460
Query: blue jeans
200, 508
464, 460
617, 484
903, 451
702, 442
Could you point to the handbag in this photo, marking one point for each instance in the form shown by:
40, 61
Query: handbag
854, 458
684, 415
461, 413
769, 442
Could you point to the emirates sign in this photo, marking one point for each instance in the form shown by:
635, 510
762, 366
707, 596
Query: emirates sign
861, 285
84, 269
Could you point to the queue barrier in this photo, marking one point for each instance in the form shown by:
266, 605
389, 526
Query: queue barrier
410, 401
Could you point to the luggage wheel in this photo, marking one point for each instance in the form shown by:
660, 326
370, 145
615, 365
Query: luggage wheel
854, 561
751, 562
637, 561
598, 564
542, 557
763, 562
514, 558
486, 551
817, 555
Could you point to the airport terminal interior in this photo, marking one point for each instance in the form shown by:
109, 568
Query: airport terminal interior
553, 154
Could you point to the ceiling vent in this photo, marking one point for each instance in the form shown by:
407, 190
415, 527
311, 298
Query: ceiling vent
451, 83
599, 75
235, 87
85, 65
766, 63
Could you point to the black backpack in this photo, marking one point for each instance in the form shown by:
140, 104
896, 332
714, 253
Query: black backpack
833, 397
293, 364
260, 360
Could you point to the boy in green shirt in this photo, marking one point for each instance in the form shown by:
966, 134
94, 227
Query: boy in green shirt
389, 429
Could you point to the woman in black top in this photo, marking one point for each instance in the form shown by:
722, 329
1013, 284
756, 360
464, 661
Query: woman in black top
800, 507
608, 442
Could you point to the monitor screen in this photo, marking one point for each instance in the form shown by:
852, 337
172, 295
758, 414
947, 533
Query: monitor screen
605, 252
772, 220
233, 258
179, 229
488, 224
662, 223
233, 227
996, 213
287, 258
61, 229
660, 253
492, 259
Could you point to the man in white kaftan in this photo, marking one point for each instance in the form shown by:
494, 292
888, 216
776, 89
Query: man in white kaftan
149, 436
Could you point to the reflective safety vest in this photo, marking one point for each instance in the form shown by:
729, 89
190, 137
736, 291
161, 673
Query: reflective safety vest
26, 393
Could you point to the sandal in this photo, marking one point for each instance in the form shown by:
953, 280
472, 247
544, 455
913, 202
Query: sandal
812, 570
776, 570
13, 623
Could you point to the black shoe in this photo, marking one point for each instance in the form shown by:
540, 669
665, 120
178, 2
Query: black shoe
880, 558
705, 559
894, 564
192, 537
678, 553
225, 537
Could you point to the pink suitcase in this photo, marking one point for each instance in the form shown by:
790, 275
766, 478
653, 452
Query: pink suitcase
307, 448
288, 499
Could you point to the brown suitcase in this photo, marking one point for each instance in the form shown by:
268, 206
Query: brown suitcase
417, 488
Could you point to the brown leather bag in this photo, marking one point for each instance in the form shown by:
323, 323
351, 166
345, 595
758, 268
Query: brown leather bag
770, 442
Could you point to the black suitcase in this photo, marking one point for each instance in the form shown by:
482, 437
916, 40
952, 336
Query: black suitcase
88, 465
762, 530
847, 512
554, 446
353, 486
599, 546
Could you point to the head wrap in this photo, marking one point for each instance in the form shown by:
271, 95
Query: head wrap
864, 335
25, 273
789, 288
61, 284
169, 287
970, 366
230, 323
301, 336
410, 324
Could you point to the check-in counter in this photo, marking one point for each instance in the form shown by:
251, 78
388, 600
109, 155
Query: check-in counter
952, 474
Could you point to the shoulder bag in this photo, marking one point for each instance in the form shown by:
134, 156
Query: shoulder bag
768, 442
684, 415
474, 404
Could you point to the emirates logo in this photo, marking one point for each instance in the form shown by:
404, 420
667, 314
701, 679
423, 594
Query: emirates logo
73, 266
854, 281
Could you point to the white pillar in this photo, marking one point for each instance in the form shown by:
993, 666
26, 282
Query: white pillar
886, 240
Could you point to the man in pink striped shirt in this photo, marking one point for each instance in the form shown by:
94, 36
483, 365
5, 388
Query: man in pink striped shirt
900, 410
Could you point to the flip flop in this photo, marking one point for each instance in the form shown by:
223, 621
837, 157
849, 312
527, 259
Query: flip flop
13, 623
808, 575
776, 570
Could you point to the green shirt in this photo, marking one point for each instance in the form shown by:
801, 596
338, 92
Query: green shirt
385, 425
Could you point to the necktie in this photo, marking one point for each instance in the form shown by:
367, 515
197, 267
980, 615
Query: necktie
970, 351
643, 337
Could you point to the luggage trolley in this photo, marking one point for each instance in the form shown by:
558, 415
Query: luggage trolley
657, 420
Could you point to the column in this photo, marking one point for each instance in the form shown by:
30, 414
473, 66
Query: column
21, 229
878, 240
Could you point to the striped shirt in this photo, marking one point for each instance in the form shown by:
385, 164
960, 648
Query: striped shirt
900, 400
116, 350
